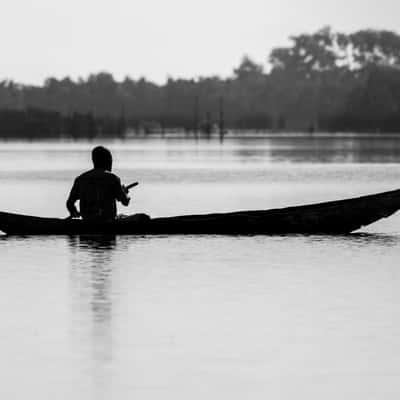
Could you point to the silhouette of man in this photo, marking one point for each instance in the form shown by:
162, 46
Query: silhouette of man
97, 190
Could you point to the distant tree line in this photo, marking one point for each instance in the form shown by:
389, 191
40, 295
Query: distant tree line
326, 80
39, 123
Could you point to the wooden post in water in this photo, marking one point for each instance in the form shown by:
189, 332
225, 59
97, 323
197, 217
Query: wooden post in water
208, 125
196, 117
221, 122
122, 125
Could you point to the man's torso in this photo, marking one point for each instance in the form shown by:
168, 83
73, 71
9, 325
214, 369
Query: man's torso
97, 191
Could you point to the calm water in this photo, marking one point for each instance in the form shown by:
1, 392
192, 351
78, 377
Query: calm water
283, 317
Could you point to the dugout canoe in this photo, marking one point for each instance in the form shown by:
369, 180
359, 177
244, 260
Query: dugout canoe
334, 217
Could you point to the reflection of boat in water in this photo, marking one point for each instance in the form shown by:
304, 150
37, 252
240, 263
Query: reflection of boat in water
335, 217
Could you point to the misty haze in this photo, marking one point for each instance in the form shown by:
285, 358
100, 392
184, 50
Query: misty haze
200, 199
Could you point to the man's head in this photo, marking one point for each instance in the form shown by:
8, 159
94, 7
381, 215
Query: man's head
102, 158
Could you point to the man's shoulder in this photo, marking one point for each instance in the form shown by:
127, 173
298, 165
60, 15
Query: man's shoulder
111, 177
84, 175
94, 173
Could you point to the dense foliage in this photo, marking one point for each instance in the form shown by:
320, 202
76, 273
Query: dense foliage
322, 81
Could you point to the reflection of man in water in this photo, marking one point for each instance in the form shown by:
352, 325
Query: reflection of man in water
98, 189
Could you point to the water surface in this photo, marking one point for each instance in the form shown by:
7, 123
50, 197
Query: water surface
283, 317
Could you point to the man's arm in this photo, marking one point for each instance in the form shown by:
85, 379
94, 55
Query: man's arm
72, 198
122, 194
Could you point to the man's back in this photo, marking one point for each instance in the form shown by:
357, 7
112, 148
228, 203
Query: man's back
98, 191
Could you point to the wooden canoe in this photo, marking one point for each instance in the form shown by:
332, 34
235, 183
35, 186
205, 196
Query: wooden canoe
335, 217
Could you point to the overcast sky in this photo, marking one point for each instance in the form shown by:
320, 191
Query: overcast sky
160, 38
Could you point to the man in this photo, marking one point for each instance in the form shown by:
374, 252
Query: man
97, 190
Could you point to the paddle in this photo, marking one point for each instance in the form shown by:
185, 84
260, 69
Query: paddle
131, 185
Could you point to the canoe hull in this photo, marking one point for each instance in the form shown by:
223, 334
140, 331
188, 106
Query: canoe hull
336, 217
